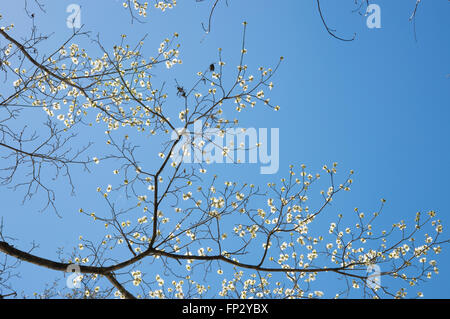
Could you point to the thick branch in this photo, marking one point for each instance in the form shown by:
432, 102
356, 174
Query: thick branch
121, 288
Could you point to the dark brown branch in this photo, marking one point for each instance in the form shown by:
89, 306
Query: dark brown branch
24, 256
331, 31
123, 291
45, 69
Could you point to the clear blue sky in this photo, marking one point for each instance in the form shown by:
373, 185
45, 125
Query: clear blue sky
378, 105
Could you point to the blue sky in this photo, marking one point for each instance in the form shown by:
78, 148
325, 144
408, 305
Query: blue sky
378, 105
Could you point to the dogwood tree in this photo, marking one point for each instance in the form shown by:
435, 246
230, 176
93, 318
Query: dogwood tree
182, 231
